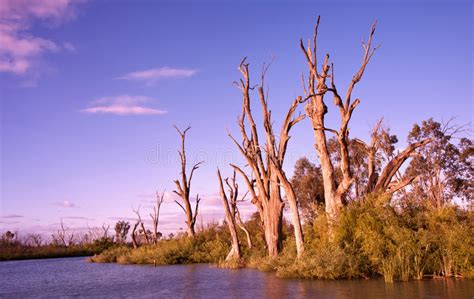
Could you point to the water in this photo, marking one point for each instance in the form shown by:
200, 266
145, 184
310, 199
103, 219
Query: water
74, 277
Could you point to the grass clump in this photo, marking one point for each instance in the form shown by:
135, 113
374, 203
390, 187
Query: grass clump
373, 238
209, 246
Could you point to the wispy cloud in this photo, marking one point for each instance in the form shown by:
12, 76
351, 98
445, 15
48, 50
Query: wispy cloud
19, 49
65, 204
151, 76
122, 105
11, 216
78, 218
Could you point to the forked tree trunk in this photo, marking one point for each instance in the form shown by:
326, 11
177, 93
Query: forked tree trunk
183, 187
234, 253
316, 110
384, 182
267, 170
155, 215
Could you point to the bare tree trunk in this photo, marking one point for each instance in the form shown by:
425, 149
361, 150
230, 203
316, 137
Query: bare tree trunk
230, 220
291, 197
184, 187
267, 171
389, 171
134, 235
384, 182
273, 223
155, 215
316, 110
240, 223
145, 235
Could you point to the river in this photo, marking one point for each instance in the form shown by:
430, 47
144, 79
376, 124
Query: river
74, 277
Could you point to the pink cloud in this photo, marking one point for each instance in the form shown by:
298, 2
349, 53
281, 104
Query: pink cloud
122, 105
150, 76
65, 204
19, 49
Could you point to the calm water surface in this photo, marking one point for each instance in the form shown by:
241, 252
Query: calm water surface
74, 277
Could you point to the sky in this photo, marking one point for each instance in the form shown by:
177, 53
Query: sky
90, 91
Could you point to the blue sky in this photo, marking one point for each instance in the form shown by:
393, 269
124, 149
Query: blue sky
90, 90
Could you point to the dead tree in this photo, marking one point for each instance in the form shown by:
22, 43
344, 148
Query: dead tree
229, 208
384, 182
316, 110
155, 215
140, 223
234, 194
105, 231
267, 169
184, 187
134, 234
60, 237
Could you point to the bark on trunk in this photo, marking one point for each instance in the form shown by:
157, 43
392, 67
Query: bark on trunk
230, 220
295, 215
383, 182
155, 215
145, 235
267, 169
273, 224
134, 235
240, 223
316, 110
183, 187
389, 171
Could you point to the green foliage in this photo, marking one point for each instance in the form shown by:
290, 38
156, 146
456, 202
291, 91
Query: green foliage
232, 264
209, 246
121, 231
371, 238
111, 255
20, 252
263, 263
307, 184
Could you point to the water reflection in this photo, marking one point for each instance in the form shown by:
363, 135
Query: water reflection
74, 277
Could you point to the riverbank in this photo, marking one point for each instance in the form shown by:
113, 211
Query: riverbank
370, 239
10, 252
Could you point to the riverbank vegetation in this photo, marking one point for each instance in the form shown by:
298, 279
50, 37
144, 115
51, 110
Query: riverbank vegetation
372, 238
33, 246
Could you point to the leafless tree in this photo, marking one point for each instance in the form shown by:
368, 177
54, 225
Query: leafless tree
60, 237
234, 191
155, 215
183, 187
267, 167
316, 110
229, 208
105, 231
384, 182
141, 235
35, 240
